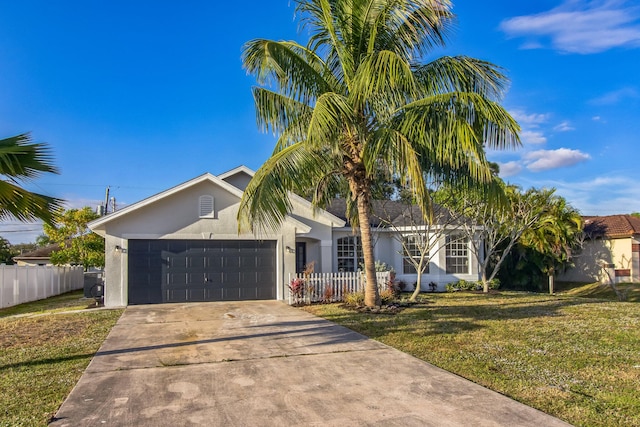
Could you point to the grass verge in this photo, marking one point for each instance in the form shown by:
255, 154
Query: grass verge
44, 353
575, 358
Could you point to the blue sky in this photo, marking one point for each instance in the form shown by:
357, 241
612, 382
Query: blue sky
143, 95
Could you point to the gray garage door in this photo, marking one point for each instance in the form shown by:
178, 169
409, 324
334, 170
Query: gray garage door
201, 270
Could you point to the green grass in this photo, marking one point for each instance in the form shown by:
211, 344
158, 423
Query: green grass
596, 290
575, 358
70, 301
43, 354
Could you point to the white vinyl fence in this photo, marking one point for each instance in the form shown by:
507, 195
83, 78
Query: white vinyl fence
20, 284
329, 287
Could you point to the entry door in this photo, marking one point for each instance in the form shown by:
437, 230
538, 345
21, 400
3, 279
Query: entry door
301, 256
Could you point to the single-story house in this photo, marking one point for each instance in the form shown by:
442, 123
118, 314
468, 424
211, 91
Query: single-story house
610, 252
39, 256
183, 245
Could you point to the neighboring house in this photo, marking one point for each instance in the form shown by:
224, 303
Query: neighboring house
40, 256
610, 253
183, 245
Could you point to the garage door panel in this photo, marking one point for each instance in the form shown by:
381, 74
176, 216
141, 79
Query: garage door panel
200, 270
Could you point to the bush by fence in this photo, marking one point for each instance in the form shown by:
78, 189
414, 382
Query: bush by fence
20, 284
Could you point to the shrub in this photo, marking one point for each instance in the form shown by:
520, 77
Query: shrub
388, 296
493, 284
464, 285
355, 299
328, 294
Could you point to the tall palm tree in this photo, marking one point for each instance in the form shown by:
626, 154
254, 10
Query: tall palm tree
358, 98
22, 160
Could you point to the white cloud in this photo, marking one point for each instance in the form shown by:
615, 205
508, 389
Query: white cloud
616, 96
579, 26
542, 160
596, 118
530, 124
532, 137
532, 119
510, 169
606, 195
564, 127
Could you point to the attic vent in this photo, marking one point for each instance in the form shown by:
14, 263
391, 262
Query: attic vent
206, 207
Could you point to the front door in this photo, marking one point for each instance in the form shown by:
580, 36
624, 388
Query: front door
301, 256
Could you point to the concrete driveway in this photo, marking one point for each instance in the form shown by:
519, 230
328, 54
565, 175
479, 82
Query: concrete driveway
260, 363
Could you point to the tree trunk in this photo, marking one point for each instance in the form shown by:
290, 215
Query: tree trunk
416, 291
485, 281
551, 281
371, 295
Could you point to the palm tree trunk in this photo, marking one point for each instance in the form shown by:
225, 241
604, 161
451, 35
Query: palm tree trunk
371, 295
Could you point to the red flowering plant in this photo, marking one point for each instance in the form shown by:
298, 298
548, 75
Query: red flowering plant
296, 289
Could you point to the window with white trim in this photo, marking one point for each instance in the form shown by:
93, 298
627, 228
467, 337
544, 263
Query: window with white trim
206, 207
412, 245
457, 254
349, 250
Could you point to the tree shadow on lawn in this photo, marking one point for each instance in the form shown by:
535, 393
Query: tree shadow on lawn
434, 319
46, 361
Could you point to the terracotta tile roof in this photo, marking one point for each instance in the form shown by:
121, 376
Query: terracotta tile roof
611, 226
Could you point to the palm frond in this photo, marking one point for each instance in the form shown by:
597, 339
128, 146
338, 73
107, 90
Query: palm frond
462, 74
283, 64
266, 202
384, 74
23, 205
20, 158
281, 114
332, 114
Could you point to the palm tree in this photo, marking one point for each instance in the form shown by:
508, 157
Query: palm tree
555, 235
22, 160
358, 99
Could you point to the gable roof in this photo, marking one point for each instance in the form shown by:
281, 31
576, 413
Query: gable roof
173, 190
235, 171
317, 212
612, 226
221, 181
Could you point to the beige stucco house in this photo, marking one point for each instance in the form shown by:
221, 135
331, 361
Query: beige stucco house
183, 245
610, 253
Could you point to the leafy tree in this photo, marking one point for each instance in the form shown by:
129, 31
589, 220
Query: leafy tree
79, 245
494, 228
22, 160
358, 99
43, 240
419, 239
7, 252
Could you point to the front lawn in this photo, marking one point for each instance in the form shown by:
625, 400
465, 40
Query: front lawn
43, 354
575, 358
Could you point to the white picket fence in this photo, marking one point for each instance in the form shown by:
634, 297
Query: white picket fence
330, 287
20, 284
